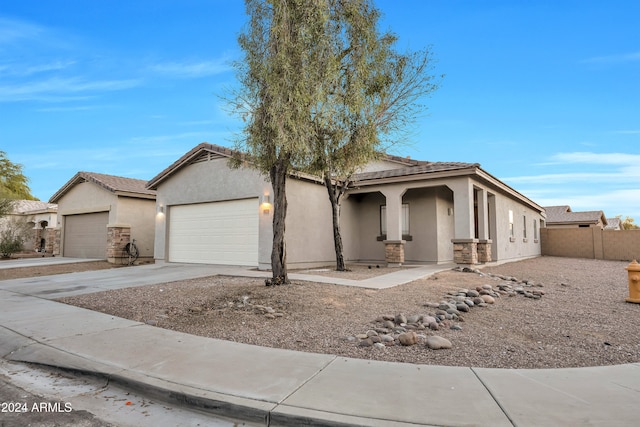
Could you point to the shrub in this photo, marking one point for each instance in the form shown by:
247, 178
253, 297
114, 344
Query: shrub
12, 237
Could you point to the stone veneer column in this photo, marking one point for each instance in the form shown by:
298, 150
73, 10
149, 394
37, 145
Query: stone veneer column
394, 252
57, 235
484, 251
465, 251
117, 237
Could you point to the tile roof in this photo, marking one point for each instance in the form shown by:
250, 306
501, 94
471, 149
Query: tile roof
613, 224
564, 214
419, 168
111, 183
26, 206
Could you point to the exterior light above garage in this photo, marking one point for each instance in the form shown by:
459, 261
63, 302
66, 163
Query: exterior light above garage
265, 204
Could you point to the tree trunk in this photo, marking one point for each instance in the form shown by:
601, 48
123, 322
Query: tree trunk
278, 175
334, 197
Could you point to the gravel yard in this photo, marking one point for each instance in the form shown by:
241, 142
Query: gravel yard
581, 319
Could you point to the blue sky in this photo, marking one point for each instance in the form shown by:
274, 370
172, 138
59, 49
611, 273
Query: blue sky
545, 95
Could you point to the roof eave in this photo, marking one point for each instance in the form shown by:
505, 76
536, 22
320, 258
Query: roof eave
184, 160
414, 177
136, 195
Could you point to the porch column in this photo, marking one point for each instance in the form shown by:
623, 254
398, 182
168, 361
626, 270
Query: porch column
394, 245
465, 245
484, 243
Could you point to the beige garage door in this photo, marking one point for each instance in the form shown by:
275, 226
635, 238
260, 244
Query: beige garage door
215, 233
85, 235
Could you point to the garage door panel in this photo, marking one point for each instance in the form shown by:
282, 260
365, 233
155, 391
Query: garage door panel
215, 233
85, 235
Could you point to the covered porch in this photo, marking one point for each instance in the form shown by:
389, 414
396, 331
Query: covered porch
434, 221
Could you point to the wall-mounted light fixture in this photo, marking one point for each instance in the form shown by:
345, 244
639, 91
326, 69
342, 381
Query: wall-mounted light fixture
449, 211
160, 208
265, 204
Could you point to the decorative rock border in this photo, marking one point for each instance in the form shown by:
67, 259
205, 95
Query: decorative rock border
402, 330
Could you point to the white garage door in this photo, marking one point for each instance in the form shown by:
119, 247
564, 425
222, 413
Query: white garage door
85, 235
215, 233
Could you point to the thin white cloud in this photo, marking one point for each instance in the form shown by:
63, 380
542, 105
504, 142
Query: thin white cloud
628, 132
57, 88
67, 109
617, 58
559, 178
187, 70
51, 66
586, 157
12, 30
593, 181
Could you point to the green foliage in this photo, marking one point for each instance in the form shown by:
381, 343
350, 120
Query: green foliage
278, 77
13, 183
372, 93
6, 206
13, 235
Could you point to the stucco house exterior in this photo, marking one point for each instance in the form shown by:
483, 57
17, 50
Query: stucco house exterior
396, 211
563, 217
40, 218
99, 214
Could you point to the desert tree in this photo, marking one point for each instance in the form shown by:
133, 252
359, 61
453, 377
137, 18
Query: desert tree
13, 183
277, 92
372, 96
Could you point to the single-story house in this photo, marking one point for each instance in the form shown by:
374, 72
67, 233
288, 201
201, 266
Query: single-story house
99, 214
39, 217
397, 211
564, 217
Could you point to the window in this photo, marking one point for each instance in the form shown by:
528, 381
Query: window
405, 219
524, 225
535, 230
512, 234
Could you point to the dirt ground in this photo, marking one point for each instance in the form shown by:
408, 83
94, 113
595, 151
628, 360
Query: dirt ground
580, 317
47, 270
581, 320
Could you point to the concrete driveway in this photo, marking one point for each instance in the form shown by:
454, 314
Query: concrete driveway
63, 285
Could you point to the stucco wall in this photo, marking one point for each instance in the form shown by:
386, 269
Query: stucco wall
423, 225
518, 247
361, 227
618, 245
87, 197
446, 224
139, 214
309, 229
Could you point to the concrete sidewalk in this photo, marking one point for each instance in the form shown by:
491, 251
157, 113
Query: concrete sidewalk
282, 387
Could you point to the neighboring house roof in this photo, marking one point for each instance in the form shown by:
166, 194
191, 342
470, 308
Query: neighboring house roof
118, 185
614, 224
24, 207
564, 215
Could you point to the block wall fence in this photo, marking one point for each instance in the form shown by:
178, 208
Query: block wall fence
594, 243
